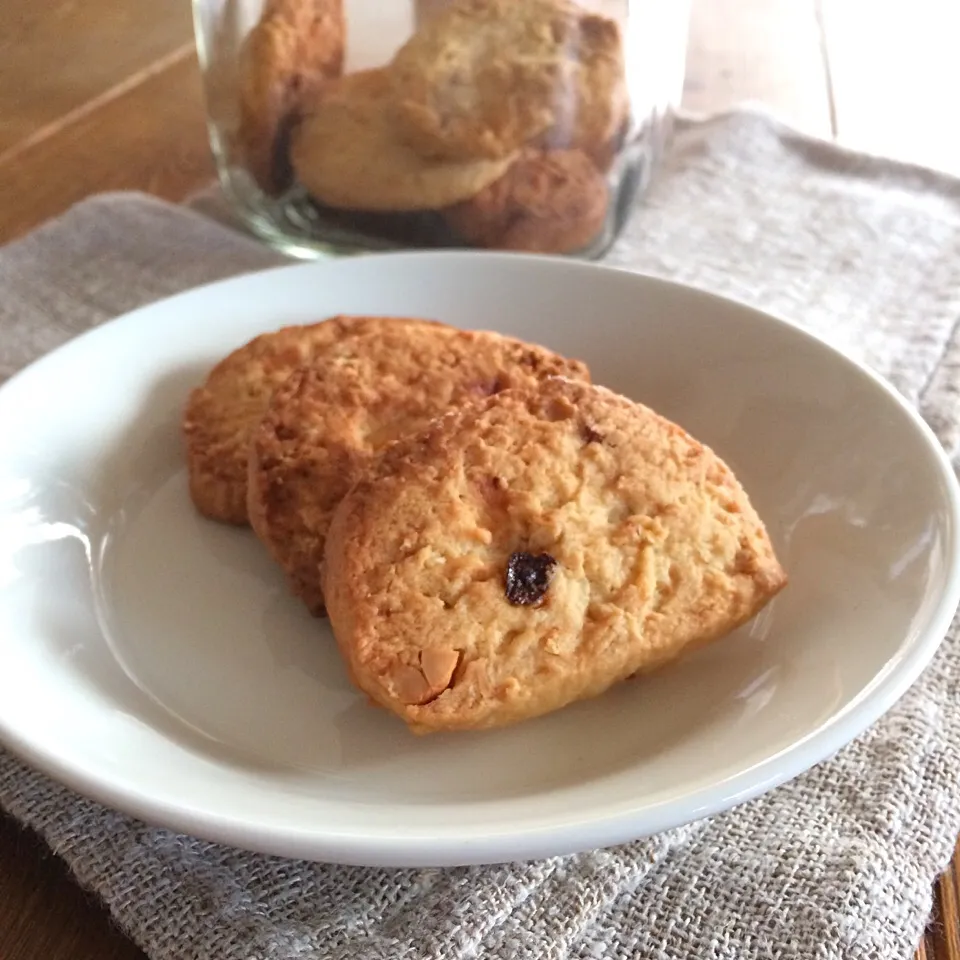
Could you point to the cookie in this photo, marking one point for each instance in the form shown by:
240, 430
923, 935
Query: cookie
326, 422
535, 550
221, 415
603, 151
347, 154
295, 48
594, 117
483, 78
551, 201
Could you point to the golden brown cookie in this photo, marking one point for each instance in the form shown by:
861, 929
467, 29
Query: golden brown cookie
294, 49
347, 154
551, 201
221, 415
603, 152
326, 422
594, 118
535, 550
482, 78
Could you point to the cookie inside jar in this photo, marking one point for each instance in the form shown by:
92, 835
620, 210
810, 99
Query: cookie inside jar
520, 125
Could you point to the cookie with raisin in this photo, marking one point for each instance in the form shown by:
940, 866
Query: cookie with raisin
534, 550
326, 423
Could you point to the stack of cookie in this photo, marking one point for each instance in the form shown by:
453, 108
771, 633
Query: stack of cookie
499, 117
492, 536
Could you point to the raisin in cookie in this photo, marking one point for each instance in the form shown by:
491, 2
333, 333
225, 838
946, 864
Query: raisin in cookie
552, 201
482, 78
533, 551
221, 415
326, 422
347, 154
288, 56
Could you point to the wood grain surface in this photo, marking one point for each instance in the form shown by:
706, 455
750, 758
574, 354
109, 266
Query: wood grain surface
150, 136
105, 94
60, 56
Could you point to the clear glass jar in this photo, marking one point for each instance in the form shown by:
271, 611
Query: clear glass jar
354, 125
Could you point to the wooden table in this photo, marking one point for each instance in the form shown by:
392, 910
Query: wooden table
104, 95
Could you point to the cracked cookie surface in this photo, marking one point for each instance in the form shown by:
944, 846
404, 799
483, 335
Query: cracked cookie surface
326, 423
482, 78
637, 542
221, 414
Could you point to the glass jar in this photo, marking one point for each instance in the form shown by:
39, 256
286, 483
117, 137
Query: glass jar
352, 125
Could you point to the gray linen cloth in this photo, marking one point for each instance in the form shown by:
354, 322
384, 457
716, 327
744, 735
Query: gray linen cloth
838, 863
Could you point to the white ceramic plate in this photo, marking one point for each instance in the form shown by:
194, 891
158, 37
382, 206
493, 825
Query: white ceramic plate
154, 660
